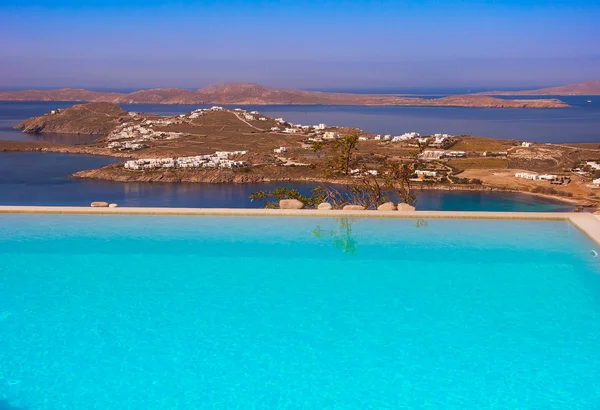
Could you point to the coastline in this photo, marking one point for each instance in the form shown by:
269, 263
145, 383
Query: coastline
239, 178
221, 177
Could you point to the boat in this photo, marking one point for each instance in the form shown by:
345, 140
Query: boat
589, 101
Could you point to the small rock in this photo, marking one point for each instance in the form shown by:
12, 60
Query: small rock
325, 206
388, 206
99, 204
353, 208
113, 206
290, 204
406, 207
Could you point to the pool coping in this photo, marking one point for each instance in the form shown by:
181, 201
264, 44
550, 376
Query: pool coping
588, 223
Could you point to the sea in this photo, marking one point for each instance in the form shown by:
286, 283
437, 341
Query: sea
43, 178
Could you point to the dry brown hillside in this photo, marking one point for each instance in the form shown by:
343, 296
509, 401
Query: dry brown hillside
92, 119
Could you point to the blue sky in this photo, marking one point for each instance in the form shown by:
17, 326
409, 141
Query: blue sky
301, 43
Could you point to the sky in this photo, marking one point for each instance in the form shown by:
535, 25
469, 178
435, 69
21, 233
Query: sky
319, 44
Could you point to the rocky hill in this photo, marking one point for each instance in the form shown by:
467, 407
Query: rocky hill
91, 119
256, 94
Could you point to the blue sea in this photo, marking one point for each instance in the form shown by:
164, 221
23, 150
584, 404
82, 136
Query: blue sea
42, 178
136, 312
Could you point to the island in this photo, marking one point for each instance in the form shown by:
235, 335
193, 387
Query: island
219, 145
256, 94
585, 88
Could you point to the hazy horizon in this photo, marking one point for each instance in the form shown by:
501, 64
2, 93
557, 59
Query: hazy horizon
468, 44
423, 90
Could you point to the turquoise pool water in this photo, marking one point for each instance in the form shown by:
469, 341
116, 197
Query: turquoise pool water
122, 312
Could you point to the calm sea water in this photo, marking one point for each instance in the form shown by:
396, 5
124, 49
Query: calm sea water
40, 179
202, 313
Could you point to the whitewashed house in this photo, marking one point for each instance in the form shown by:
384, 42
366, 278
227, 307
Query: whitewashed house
526, 175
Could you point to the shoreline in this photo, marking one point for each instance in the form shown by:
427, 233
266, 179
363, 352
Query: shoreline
246, 178
231, 177
430, 187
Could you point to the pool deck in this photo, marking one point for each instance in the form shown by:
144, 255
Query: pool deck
586, 222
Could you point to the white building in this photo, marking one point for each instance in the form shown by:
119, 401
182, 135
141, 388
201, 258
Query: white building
593, 164
455, 154
526, 144
526, 175
432, 155
280, 150
425, 173
407, 136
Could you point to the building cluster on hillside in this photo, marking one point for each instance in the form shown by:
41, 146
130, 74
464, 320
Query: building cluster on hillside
218, 160
536, 177
132, 137
202, 111
435, 140
358, 172
429, 155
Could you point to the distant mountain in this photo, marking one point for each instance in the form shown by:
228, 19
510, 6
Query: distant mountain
586, 88
256, 94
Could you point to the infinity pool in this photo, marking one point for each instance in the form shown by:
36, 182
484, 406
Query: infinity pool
136, 312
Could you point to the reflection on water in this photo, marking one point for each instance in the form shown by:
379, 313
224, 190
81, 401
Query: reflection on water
342, 236
421, 223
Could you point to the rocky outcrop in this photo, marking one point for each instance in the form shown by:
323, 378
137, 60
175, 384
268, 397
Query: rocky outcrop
290, 204
388, 206
117, 173
88, 119
406, 207
325, 206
